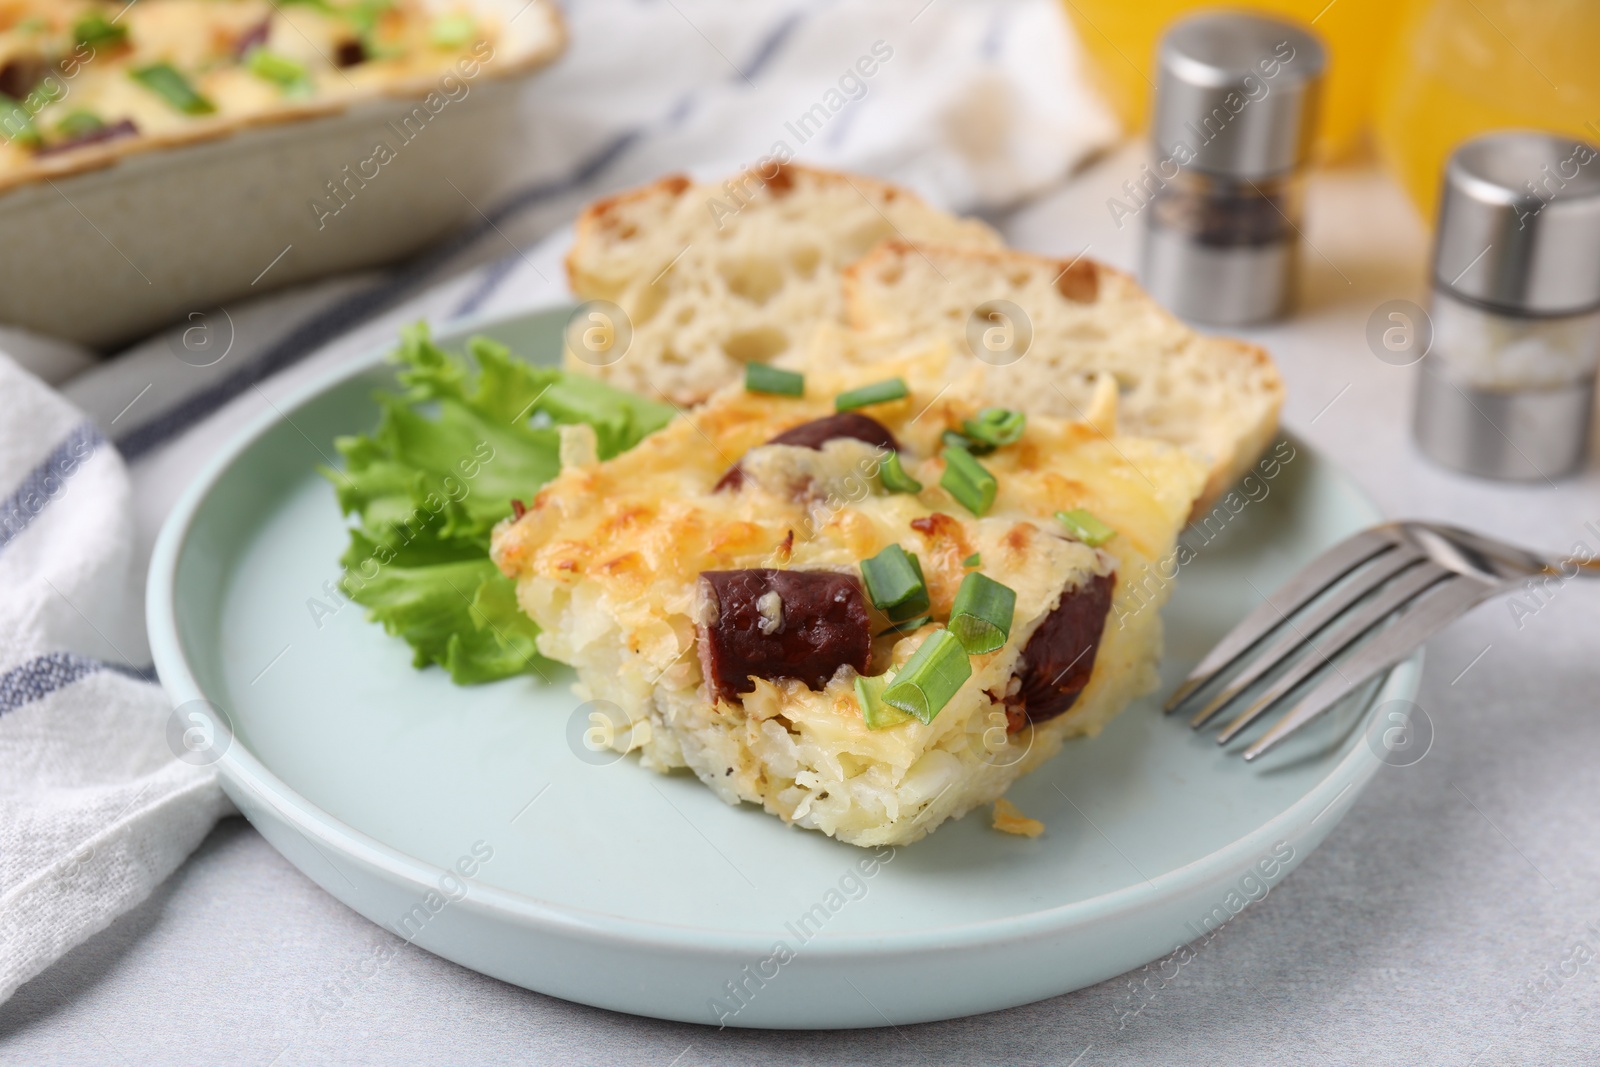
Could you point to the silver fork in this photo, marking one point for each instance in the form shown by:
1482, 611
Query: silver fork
1421, 575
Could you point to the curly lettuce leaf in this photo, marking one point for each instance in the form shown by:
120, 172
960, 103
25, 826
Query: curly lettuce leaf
427, 486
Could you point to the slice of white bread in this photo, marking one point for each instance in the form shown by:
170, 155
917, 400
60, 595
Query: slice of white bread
713, 277
1215, 396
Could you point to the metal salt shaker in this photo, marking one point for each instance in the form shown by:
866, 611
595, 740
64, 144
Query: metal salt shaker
1507, 387
1234, 117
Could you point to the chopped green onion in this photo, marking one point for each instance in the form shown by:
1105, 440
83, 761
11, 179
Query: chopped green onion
364, 14
96, 31
996, 426
760, 378
282, 71
876, 393
895, 478
164, 80
909, 626
1083, 526
930, 678
79, 123
968, 481
894, 583
957, 439
874, 712
981, 615
452, 31
974, 560
16, 123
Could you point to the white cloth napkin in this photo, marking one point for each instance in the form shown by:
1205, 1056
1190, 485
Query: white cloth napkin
94, 809
976, 103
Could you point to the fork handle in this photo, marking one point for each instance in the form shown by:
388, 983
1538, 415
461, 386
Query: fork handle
1574, 567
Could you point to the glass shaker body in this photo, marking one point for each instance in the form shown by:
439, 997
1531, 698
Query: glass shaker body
1234, 121
1220, 249
1507, 388
1507, 395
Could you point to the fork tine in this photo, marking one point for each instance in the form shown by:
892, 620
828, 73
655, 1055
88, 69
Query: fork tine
1418, 623
1322, 572
1298, 634
1344, 634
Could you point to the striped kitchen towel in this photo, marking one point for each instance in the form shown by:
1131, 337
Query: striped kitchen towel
976, 103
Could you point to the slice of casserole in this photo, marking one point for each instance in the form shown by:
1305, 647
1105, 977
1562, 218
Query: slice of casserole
85, 82
768, 599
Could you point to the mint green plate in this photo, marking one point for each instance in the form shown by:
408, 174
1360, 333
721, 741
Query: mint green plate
615, 886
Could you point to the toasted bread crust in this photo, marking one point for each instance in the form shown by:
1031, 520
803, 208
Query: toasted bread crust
713, 277
1168, 363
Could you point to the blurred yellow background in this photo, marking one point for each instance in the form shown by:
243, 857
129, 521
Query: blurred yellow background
1421, 75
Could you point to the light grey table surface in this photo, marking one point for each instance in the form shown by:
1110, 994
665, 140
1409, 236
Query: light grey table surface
1453, 918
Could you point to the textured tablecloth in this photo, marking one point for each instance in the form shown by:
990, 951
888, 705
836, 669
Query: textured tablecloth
1453, 918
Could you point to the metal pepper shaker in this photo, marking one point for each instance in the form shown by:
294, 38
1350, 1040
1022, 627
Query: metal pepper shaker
1234, 117
1507, 388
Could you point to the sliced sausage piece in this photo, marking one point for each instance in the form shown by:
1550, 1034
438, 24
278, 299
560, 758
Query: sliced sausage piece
1059, 657
21, 74
818, 432
815, 434
254, 37
766, 623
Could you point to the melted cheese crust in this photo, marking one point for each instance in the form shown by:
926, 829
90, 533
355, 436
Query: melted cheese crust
607, 558
200, 38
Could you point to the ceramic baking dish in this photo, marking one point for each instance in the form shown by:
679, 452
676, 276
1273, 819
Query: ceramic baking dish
114, 241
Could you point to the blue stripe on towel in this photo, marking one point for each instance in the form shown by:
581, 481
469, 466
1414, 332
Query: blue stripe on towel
40, 677
771, 44
488, 283
46, 481
326, 326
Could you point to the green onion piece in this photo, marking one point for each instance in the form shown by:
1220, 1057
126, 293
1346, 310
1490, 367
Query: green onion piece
452, 31
930, 678
79, 123
874, 712
16, 123
364, 14
894, 583
876, 393
164, 80
974, 560
760, 378
996, 426
1083, 526
981, 615
909, 626
282, 71
968, 481
895, 478
957, 439
97, 31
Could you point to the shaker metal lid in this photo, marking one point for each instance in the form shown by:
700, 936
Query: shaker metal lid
1519, 223
1237, 94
